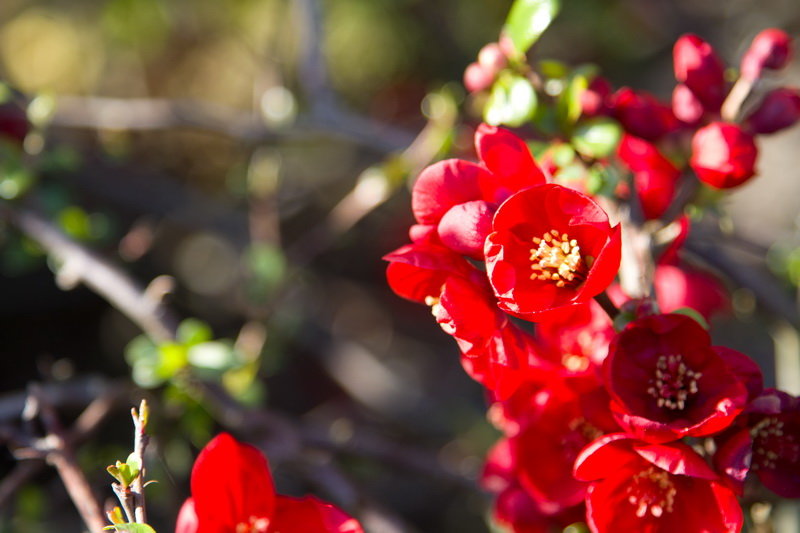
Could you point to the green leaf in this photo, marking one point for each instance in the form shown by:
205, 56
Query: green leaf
691, 313
215, 355
569, 102
527, 20
512, 102
132, 527
134, 464
193, 331
597, 137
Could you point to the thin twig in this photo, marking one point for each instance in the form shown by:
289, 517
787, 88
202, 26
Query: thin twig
59, 453
141, 440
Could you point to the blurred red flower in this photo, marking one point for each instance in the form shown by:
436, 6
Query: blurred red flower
723, 155
232, 492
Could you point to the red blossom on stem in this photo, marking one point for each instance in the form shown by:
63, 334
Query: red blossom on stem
666, 381
723, 155
459, 197
653, 488
232, 492
551, 248
698, 67
770, 49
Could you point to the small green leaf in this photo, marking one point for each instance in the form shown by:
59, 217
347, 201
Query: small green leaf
193, 331
134, 464
597, 137
215, 355
527, 20
569, 102
691, 313
131, 527
512, 102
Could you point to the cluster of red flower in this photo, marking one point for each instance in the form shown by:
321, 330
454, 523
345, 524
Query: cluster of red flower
640, 427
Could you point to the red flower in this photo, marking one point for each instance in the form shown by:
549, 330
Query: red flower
232, 491
514, 506
770, 49
459, 197
779, 109
642, 115
551, 247
666, 381
768, 445
698, 67
653, 488
723, 155
654, 176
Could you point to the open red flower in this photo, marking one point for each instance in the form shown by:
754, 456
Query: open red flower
232, 492
459, 197
767, 444
653, 488
666, 381
551, 247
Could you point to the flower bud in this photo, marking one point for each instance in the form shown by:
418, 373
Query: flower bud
477, 78
723, 155
770, 49
492, 58
641, 114
593, 99
779, 109
697, 66
686, 106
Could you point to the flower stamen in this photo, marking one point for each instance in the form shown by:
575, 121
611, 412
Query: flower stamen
558, 258
674, 382
652, 491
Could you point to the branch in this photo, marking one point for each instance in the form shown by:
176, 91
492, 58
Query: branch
81, 265
58, 452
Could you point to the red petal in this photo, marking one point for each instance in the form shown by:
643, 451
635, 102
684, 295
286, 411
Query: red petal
230, 484
464, 228
419, 270
187, 518
508, 158
311, 515
443, 185
676, 458
605, 455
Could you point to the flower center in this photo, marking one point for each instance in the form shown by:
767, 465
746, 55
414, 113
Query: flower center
653, 492
674, 382
771, 442
253, 525
558, 258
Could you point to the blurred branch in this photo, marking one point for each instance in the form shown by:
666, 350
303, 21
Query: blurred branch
81, 265
147, 114
766, 289
57, 450
103, 398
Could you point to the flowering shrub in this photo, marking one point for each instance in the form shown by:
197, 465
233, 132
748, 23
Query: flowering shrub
627, 418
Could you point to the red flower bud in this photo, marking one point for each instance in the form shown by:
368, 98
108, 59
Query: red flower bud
593, 99
770, 49
779, 109
686, 106
723, 155
654, 175
492, 58
477, 78
697, 66
642, 115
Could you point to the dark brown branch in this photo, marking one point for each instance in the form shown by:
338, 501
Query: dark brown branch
59, 454
81, 265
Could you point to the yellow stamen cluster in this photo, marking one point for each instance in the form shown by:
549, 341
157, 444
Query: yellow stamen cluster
652, 491
674, 382
254, 525
558, 258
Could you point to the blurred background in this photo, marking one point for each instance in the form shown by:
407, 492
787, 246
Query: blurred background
248, 161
